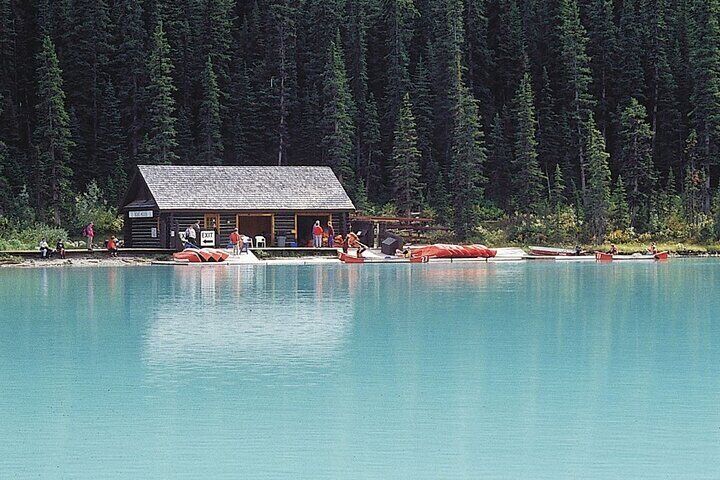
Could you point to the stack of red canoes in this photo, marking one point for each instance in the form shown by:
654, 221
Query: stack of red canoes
199, 255
440, 250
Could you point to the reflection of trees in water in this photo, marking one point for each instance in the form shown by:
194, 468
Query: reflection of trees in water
260, 316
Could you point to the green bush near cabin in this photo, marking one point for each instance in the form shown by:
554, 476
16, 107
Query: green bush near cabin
14, 236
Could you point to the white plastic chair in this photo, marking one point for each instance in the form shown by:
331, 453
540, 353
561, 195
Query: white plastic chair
260, 242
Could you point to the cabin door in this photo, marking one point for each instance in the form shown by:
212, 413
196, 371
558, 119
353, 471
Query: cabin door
212, 222
254, 225
304, 226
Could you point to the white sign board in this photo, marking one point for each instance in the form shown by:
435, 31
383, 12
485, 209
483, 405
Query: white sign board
140, 213
207, 238
153, 232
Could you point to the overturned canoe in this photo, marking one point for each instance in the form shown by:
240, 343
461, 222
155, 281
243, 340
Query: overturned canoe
441, 250
551, 252
200, 255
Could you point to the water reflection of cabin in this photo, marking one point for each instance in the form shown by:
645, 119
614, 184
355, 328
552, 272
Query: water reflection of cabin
163, 200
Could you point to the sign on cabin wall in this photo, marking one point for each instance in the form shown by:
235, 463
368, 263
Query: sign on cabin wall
140, 213
207, 238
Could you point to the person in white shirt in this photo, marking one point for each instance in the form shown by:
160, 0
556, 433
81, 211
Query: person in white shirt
44, 249
191, 236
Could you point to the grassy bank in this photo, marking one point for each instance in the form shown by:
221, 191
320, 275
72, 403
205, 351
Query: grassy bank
677, 248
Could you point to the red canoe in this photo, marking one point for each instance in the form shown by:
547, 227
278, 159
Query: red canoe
345, 258
607, 257
200, 255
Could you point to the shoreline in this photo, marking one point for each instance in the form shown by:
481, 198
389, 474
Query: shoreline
511, 253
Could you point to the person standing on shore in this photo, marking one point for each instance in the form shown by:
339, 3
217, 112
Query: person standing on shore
330, 234
235, 241
89, 233
317, 232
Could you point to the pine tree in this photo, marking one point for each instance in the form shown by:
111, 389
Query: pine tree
666, 121
557, 194
131, 71
630, 41
499, 162
87, 62
283, 71
210, 148
479, 57
705, 67
51, 137
603, 50
372, 152
110, 146
5, 193
527, 178
636, 158
398, 15
618, 210
597, 193
511, 52
422, 107
468, 158
406, 157
576, 80
445, 55
160, 143
338, 124
549, 128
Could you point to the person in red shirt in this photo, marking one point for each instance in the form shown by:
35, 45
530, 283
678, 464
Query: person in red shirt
317, 232
112, 246
235, 239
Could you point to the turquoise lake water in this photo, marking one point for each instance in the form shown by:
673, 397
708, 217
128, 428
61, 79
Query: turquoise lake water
492, 371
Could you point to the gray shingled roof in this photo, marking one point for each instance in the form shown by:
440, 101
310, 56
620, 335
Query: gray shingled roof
180, 187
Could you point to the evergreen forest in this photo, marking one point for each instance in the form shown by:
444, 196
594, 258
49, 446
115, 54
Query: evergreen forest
508, 121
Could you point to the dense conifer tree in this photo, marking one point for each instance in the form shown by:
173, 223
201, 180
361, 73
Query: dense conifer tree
636, 158
618, 210
110, 146
160, 142
51, 138
338, 125
527, 178
499, 162
597, 193
468, 158
577, 79
405, 174
210, 147
131, 72
705, 61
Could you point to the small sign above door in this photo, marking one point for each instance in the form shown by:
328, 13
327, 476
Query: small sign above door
140, 213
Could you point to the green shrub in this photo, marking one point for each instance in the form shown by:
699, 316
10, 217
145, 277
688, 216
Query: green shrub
91, 206
15, 237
